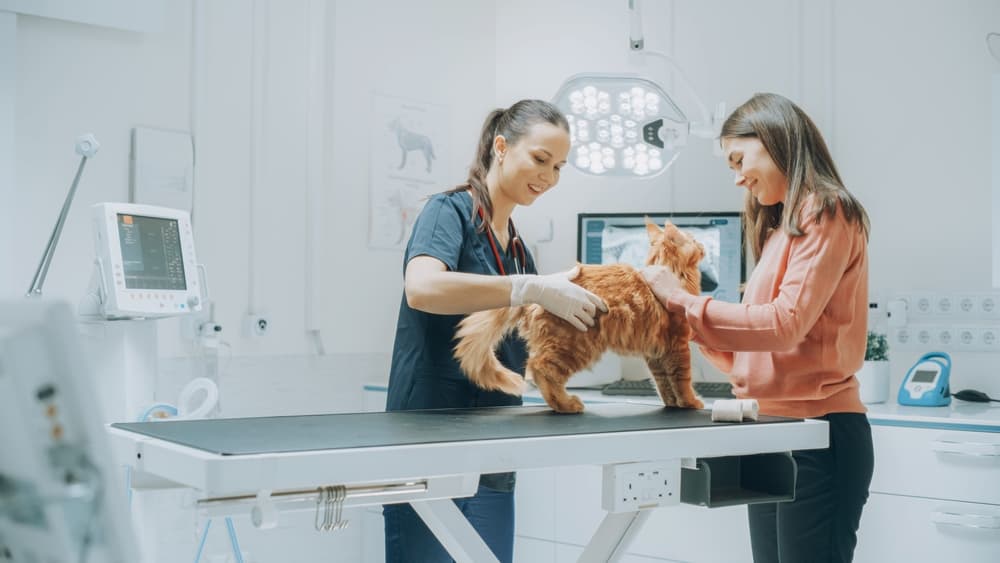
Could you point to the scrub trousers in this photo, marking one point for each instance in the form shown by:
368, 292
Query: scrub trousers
821, 524
491, 513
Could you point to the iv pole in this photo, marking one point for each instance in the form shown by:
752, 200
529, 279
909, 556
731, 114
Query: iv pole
86, 147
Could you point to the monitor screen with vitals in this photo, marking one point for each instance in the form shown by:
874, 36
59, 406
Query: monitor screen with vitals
146, 261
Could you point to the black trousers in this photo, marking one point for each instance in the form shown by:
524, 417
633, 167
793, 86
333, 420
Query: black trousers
821, 524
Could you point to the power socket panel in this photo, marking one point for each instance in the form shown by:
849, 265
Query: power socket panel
636, 486
256, 325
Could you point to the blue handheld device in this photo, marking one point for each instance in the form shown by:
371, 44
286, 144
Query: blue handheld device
926, 384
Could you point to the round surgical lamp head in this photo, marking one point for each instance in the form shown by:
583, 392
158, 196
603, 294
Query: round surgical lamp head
621, 125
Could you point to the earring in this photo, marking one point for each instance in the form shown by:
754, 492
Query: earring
500, 159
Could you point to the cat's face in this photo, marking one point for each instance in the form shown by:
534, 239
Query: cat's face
677, 250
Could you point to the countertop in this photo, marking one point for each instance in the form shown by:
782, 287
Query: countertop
960, 415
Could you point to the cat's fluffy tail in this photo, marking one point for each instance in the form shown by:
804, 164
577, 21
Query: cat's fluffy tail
478, 335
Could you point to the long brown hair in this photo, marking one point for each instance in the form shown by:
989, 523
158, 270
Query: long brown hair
512, 123
795, 144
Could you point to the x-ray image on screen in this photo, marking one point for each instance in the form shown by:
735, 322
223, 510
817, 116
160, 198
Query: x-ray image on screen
622, 238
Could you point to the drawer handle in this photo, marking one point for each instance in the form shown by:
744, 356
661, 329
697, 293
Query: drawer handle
976, 521
977, 449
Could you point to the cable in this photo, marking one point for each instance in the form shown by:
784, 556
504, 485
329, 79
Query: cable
973, 396
989, 44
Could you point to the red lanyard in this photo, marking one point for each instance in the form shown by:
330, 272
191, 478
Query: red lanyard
514, 242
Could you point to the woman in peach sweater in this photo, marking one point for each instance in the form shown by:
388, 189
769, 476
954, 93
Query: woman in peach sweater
799, 335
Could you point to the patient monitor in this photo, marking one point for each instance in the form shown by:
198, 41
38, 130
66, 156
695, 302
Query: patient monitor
58, 501
145, 265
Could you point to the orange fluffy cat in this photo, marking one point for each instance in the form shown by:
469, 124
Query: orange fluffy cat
636, 324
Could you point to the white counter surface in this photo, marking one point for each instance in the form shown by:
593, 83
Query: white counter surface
960, 415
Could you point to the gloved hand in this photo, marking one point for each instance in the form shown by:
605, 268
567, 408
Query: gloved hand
557, 295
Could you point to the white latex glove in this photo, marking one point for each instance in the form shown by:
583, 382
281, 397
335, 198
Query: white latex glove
557, 295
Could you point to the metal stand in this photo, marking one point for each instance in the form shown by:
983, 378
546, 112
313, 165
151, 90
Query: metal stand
86, 147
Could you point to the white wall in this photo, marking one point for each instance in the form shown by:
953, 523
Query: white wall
906, 116
439, 52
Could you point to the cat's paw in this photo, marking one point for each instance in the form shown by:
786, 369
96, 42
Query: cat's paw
569, 405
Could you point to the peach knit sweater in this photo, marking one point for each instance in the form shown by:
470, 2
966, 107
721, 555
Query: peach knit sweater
799, 336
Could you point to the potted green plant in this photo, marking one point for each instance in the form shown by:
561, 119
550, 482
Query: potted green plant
874, 374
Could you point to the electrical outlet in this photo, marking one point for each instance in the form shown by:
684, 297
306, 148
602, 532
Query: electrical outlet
923, 304
966, 305
256, 324
924, 336
635, 486
967, 337
902, 336
945, 336
989, 338
944, 305
988, 305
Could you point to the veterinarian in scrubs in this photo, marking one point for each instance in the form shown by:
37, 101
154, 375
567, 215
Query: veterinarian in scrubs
463, 256
799, 335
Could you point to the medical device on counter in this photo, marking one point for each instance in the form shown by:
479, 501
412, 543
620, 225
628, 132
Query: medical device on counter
145, 264
59, 499
926, 384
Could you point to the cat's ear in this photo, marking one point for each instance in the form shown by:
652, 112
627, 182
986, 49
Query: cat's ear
652, 229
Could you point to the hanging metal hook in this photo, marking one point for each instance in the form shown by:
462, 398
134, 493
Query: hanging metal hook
320, 501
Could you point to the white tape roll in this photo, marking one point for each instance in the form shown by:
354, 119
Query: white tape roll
734, 410
211, 397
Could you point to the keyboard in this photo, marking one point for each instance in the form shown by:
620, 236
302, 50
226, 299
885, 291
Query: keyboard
714, 389
638, 387
646, 388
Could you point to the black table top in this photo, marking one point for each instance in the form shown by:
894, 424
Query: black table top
283, 434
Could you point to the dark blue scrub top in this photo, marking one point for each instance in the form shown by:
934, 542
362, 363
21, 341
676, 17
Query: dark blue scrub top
424, 373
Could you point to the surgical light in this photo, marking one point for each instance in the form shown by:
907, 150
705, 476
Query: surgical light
625, 124
621, 125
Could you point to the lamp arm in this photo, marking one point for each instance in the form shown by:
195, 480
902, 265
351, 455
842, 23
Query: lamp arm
50, 249
86, 146
635, 39
636, 42
705, 116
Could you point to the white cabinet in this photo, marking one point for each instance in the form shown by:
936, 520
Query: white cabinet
935, 496
933, 463
923, 530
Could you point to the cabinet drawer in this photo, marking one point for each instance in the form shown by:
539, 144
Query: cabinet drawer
917, 530
944, 464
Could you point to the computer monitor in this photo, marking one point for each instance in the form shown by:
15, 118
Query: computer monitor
146, 261
607, 238
61, 498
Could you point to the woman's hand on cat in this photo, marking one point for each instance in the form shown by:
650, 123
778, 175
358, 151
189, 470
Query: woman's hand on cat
663, 282
559, 296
